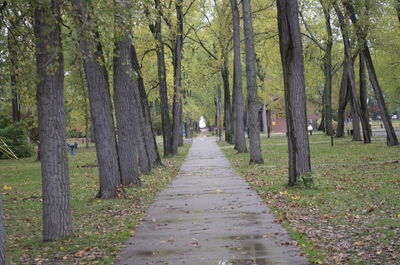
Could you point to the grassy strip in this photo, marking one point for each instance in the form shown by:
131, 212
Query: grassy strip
351, 216
100, 226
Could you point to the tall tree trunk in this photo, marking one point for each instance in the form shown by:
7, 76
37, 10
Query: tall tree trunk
219, 125
363, 89
177, 62
240, 140
343, 98
351, 76
150, 139
356, 123
295, 100
100, 103
50, 101
126, 109
13, 62
327, 95
390, 133
85, 102
397, 3
227, 103
252, 97
264, 118
362, 39
147, 126
2, 235
162, 79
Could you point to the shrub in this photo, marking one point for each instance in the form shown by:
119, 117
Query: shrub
14, 135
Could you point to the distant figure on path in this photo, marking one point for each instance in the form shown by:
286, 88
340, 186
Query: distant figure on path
310, 129
72, 148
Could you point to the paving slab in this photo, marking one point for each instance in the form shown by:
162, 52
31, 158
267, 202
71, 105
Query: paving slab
209, 215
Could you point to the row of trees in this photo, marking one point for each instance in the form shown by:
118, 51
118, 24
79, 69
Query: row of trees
109, 61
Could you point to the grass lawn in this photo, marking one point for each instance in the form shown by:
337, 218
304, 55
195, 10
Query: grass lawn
100, 226
351, 215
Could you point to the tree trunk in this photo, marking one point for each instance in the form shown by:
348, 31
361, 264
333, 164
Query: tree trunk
327, 95
343, 98
100, 103
85, 102
351, 77
295, 100
162, 79
125, 110
2, 235
50, 101
390, 133
219, 125
227, 103
148, 132
363, 90
240, 140
356, 123
13, 58
177, 63
264, 118
252, 97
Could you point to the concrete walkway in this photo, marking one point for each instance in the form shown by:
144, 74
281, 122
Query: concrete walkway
208, 215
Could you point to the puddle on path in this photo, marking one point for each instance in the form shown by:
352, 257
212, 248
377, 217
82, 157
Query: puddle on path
254, 261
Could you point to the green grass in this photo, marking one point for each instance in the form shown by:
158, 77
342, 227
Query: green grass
351, 216
100, 227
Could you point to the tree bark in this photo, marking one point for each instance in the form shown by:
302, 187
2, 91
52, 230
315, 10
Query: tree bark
295, 100
356, 123
240, 140
343, 98
252, 97
162, 79
2, 235
363, 89
227, 103
177, 62
51, 117
390, 133
264, 118
144, 113
327, 95
100, 103
13, 63
362, 39
351, 76
126, 110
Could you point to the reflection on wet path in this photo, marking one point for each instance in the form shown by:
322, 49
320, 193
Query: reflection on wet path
209, 215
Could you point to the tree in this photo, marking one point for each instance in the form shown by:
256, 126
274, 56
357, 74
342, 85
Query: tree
129, 140
144, 114
295, 101
155, 29
350, 81
327, 95
177, 62
240, 141
50, 101
2, 235
362, 39
252, 98
100, 101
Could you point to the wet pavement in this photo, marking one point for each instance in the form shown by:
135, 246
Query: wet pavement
208, 215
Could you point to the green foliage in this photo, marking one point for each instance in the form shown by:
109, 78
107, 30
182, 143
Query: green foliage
306, 180
14, 135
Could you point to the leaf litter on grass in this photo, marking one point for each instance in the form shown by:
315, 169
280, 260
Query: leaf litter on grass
350, 217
